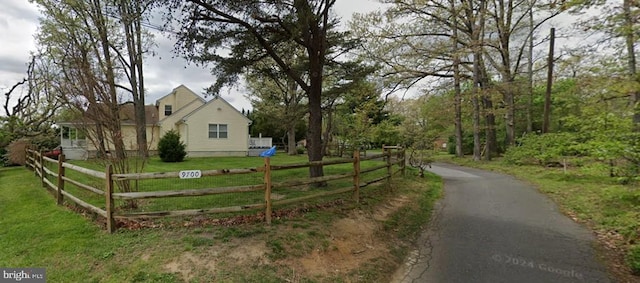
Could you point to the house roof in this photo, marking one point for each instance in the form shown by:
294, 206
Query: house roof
216, 98
174, 90
127, 115
182, 109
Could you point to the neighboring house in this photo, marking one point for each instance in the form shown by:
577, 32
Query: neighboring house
77, 145
208, 128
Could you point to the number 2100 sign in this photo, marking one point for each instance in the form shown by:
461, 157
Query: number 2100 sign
190, 174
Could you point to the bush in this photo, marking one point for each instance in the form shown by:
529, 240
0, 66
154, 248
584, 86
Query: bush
542, 149
46, 141
4, 160
467, 144
170, 148
16, 152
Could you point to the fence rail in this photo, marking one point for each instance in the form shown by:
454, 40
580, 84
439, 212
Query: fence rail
56, 174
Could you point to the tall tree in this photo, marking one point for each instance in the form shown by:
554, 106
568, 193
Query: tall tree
457, 80
505, 52
131, 14
235, 35
616, 21
278, 96
547, 96
79, 37
629, 33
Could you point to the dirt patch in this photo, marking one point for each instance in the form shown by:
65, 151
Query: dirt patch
383, 211
348, 243
353, 242
187, 263
249, 251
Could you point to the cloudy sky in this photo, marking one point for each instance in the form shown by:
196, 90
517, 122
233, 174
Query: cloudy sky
19, 22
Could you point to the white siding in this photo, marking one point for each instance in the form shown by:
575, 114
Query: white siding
179, 98
217, 111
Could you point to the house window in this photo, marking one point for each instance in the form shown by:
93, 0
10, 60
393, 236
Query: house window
217, 131
167, 110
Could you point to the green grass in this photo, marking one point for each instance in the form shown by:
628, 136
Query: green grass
38, 233
586, 192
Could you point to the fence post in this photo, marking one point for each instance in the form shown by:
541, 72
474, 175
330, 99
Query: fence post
403, 164
26, 156
42, 169
387, 152
60, 179
356, 176
267, 189
111, 224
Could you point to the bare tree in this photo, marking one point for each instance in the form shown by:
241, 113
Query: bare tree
80, 39
31, 102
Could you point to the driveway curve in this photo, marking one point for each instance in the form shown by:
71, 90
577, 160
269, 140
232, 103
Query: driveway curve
491, 227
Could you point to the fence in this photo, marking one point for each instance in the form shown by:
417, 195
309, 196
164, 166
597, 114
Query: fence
263, 188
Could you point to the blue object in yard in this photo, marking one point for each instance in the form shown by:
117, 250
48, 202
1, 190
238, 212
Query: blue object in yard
269, 152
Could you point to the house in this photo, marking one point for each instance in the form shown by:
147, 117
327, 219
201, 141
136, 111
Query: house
213, 128
208, 128
77, 144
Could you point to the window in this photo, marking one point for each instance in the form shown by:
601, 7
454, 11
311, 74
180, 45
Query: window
217, 131
167, 110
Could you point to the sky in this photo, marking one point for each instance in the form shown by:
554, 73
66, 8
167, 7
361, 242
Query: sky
163, 72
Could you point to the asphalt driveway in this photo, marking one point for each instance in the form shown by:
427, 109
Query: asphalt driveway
491, 227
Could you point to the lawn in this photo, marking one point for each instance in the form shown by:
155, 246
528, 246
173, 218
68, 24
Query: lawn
38, 233
586, 194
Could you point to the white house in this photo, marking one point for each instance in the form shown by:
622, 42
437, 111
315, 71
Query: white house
213, 128
208, 128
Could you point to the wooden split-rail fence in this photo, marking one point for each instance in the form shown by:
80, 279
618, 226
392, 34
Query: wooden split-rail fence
57, 180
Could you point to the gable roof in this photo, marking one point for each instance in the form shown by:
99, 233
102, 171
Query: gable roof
177, 112
216, 98
174, 90
126, 113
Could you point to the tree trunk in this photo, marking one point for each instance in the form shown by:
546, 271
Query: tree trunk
510, 115
547, 97
114, 123
456, 82
131, 13
477, 150
631, 61
314, 137
315, 112
326, 137
530, 71
314, 31
291, 140
490, 127
477, 39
